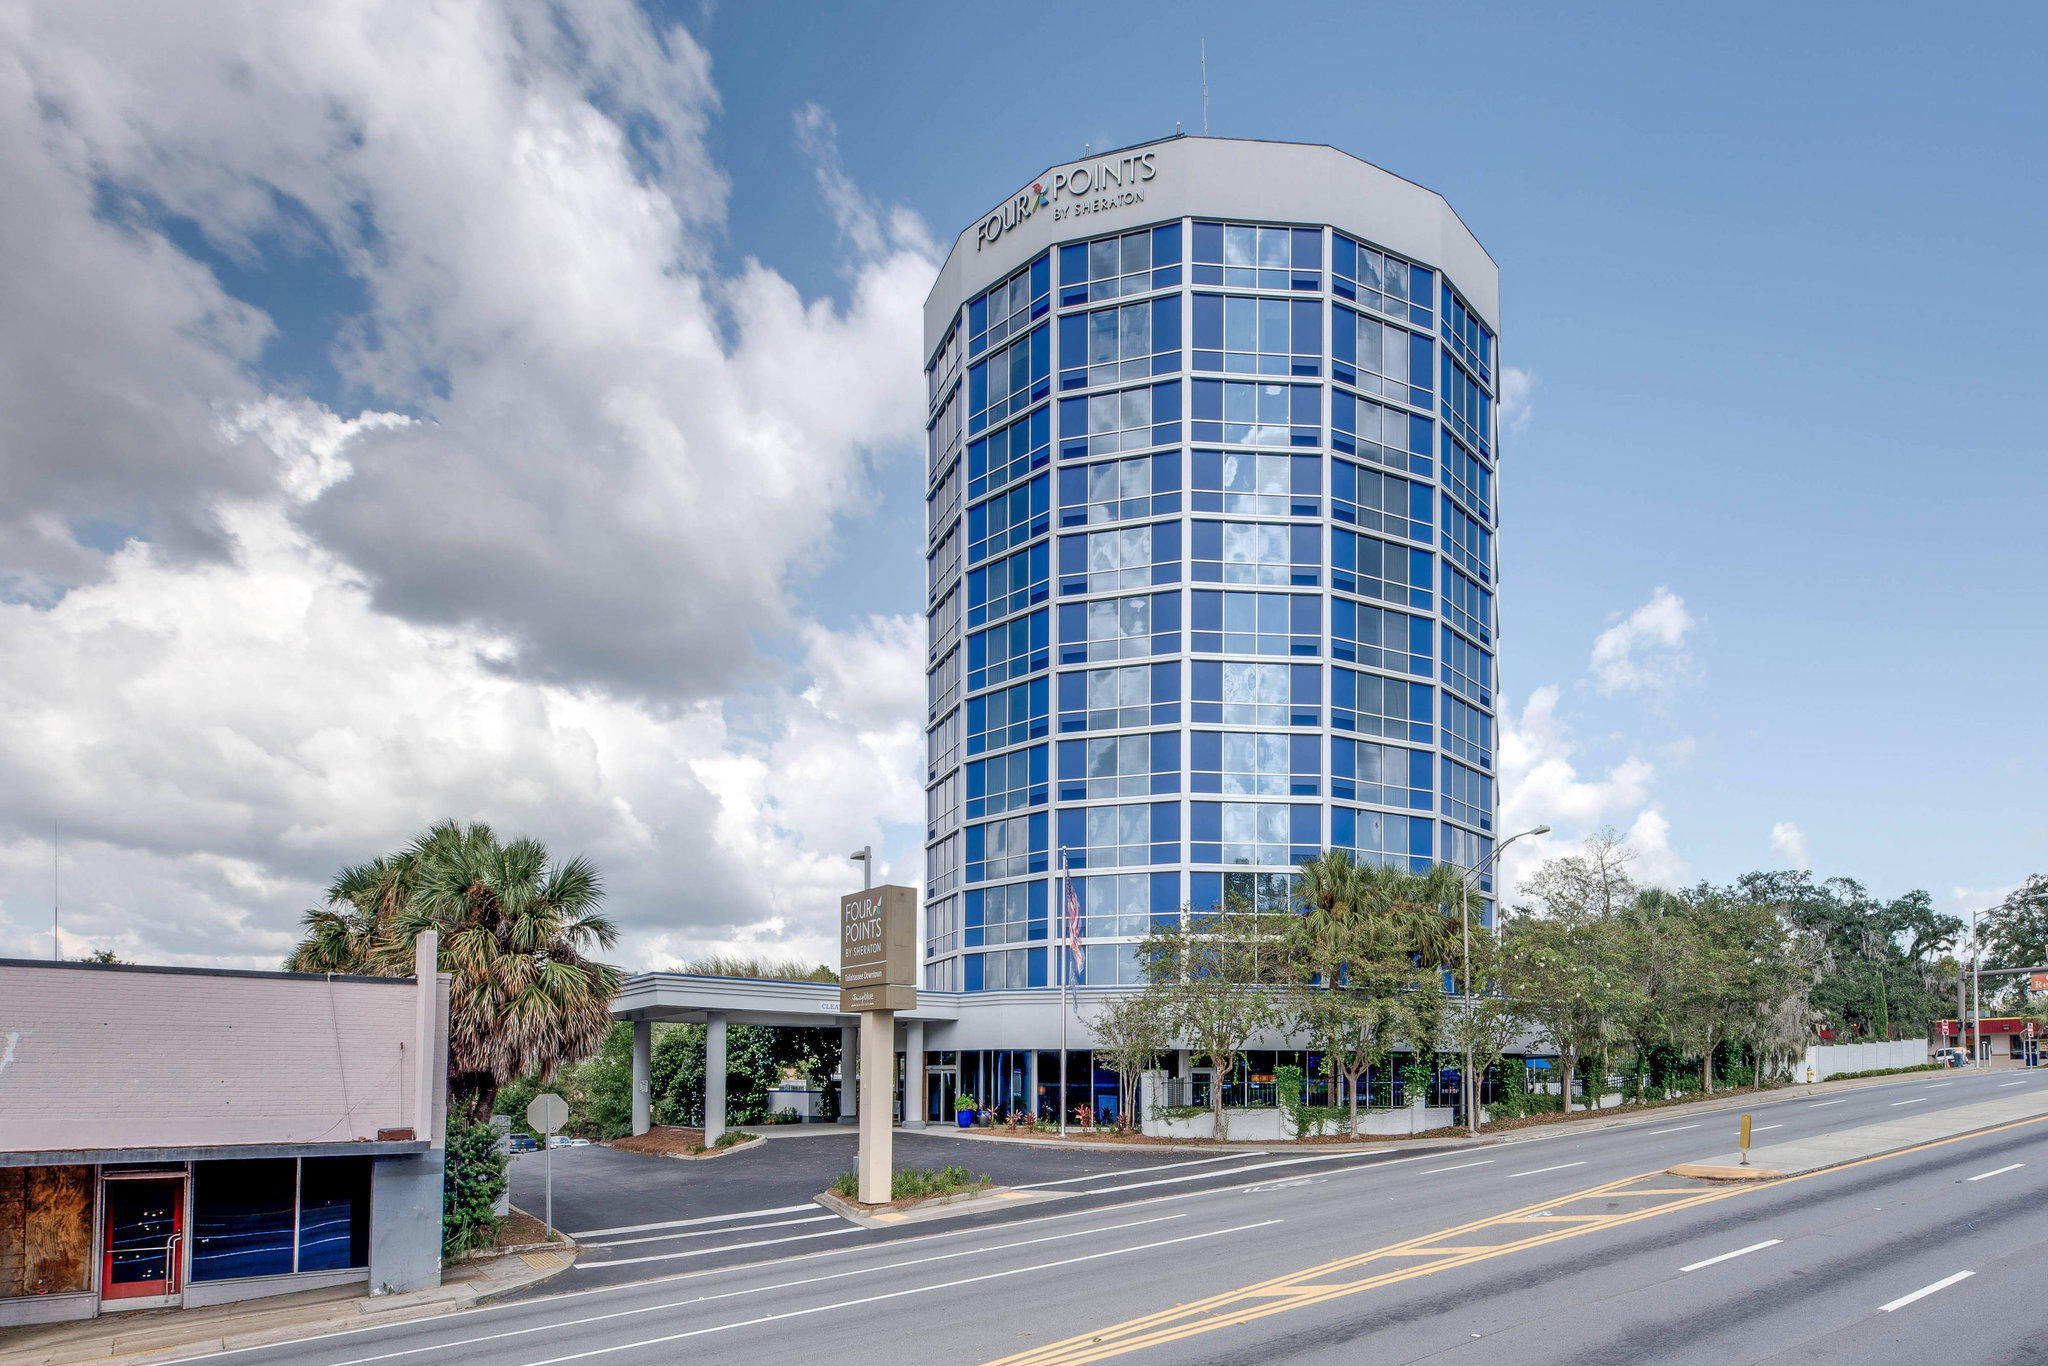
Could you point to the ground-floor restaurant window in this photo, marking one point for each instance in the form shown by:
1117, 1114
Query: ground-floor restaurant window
275, 1216
45, 1230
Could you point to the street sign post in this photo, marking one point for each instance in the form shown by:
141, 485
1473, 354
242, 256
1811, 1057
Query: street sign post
545, 1114
877, 967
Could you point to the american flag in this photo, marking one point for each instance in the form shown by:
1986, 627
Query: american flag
1073, 929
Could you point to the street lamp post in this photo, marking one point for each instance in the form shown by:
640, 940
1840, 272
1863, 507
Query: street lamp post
1471, 1087
865, 857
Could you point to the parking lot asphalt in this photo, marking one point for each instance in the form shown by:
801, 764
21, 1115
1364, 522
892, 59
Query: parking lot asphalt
602, 1188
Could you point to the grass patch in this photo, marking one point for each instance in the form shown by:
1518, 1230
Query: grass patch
916, 1183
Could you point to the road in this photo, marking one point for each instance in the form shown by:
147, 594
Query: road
1563, 1247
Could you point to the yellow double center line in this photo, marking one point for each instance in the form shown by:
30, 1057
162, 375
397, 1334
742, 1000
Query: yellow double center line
1622, 1202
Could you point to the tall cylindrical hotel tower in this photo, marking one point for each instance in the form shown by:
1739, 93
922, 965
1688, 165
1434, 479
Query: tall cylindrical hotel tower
1211, 558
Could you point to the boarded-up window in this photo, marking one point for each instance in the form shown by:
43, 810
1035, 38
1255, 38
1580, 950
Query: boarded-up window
45, 1230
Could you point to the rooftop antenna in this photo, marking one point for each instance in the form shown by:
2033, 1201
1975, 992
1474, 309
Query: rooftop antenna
1205, 87
56, 943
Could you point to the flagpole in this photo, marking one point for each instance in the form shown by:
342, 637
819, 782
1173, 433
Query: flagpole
1066, 932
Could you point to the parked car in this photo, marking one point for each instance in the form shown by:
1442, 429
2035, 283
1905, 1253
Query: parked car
1949, 1057
524, 1143
571, 1142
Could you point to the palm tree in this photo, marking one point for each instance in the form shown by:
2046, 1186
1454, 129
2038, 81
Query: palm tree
515, 938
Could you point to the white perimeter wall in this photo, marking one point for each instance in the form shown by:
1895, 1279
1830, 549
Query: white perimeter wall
1828, 1060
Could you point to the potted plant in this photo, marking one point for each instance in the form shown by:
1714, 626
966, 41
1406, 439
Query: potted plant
963, 1111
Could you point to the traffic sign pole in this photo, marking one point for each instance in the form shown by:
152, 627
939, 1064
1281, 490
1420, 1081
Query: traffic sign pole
547, 1113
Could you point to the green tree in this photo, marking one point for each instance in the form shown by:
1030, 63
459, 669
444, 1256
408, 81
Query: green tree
1215, 974
1131, 1030
515, 933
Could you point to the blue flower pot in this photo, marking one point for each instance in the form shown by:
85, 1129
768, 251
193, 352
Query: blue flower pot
966, 1118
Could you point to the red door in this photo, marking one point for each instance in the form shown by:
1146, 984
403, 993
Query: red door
144, 1240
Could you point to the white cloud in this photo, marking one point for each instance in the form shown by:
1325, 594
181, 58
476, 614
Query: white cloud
1653, 860
1541, 784
540, 581
1517, 388
1788, 843
1644, 651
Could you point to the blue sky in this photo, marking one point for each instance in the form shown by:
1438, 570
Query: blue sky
1767, 267
512, 412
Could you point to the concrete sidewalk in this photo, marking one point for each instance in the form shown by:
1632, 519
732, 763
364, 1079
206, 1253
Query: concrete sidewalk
174, 1334
1870, 1140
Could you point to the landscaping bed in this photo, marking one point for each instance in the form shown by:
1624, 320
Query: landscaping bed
666, 1141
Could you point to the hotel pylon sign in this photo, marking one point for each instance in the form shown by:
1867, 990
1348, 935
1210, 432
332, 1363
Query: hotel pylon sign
877, 967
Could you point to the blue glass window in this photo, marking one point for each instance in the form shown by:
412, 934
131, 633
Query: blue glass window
1467, 606
1382, 838
1379, 358
244, 1214
1012, 650
1257, 893
1467, 408
1468, 732
1119, 558
1468, 670
1009, 585
1245, 694
1467, 850
1012, 914
1385, 436
1010, 847
1250, 257
1384, 503
1468, 795
334, 1213
1381, 282
1255, 764
1009, 308
1122, 420
1270, 833
1469, 480
1120, 766
1373, 568
1117, 490
1009, 519
1007, 782
1124, 905
1010, 454
1467, 542
1114, 267
1120, 628
1256, 623
1274, 554
1370, 705
1008, 716
1110, 345
1250, 414
1469, 338
1380, 639
1130, 835
1251, 336
1010, 380
1121, 698
1257, 483
1385, 775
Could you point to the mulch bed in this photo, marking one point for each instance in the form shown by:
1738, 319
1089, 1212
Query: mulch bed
519, 1229
662, 1141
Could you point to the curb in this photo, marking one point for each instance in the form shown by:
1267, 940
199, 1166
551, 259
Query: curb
944, 1207
747, 1145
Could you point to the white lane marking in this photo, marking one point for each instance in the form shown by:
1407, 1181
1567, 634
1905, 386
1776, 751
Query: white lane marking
1460, 1167
686, 1223
1934, 1084
1998, 1171
1914, 1101
1817, 1104
1924, 1291
1679, 1130
1762, 1127
734, 1294
1133, 1171
610, 1262
1536, 1171
1731, 1256
2002, 1085
1234, 1171
713, 1232
895, 1295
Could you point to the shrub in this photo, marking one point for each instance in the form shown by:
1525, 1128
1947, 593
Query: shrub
471, 1183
